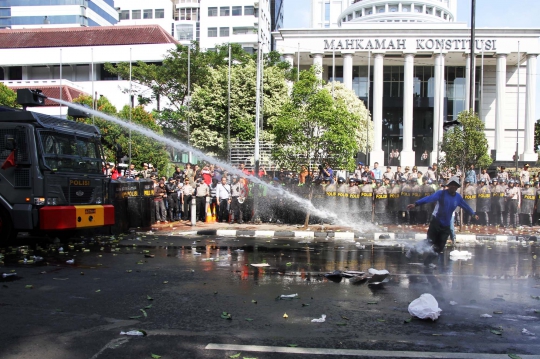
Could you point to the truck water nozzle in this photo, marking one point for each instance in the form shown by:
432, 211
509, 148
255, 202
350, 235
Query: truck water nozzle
27, 97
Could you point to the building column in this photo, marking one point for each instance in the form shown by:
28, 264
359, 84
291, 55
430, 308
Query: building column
500, 92
438, 107
6, 73
25, 72
529, 153
377, 155
347, 70
289, 58
317, 62
407, 154
468, 82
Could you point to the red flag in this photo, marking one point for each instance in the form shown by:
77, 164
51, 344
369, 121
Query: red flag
10, 161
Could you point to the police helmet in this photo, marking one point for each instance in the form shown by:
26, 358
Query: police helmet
368, 180
352, 179
171, 179
341, 180
494, 180
467, 181
527, 183
430, 181
392, 182
378, 182
360, 180
511, 181
483, 180
325, 178
403, 179
424, 179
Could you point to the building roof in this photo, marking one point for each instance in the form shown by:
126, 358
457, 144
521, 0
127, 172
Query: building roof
68, 93
84, 36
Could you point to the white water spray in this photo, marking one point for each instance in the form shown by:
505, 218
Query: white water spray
305, 204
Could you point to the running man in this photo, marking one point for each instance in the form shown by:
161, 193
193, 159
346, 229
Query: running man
439, 227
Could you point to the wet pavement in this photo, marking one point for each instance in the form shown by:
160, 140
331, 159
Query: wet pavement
177, 288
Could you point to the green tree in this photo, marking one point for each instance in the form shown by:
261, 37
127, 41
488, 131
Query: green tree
8, 97
143, 149
315, 128
208, 116
536, 135
364, 131
466, 144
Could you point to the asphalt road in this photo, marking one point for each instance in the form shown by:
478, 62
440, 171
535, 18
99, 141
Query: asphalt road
52, 309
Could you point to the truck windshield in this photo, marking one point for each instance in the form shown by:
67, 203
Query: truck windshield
71, 153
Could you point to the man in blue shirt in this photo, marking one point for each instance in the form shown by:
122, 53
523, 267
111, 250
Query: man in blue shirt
439, 228
328, 172
377, 171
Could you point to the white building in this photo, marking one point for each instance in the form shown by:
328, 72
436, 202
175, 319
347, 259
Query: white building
74, 58
143, 12
19, 14
410, 61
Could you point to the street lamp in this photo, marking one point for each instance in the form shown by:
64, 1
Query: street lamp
231, 62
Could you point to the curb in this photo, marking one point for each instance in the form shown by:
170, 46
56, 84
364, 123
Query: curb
378, 236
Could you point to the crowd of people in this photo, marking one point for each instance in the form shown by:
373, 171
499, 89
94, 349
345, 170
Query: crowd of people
368, 193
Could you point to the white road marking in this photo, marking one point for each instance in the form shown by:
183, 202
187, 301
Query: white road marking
360, 353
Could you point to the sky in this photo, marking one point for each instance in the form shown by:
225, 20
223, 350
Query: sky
489, 13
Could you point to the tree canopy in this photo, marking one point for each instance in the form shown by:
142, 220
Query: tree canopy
466, 144
314, 128
8, 97
143, 149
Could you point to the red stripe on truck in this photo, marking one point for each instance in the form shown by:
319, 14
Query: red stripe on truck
57, 217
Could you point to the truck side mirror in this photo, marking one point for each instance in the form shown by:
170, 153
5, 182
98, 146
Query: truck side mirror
10, 142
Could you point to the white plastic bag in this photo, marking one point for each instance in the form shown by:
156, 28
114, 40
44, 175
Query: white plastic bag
425, 307
320, 320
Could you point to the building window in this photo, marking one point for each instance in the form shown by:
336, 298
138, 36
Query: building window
237, 11
326, 26
189, 14
148, 14
405, 9
249, 50
393, 9
225, 11
380, 10
212, 11
242, 30
249, 10
135, 14
339, 74
418, 9
327, 11
184, 32
223, 31
160, 13
369, 12
124, 15
349, 17
358, 13
212, 32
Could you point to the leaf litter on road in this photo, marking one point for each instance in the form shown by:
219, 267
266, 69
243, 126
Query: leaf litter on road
155, 356
234, 356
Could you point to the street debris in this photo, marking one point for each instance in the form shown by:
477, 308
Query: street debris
5, 275
526, 332
288, 296
486, 316
70, 261
260, 265
155, 356
334, 276
141, 333
285, 316
226, 315
424, 307
377, 276
453, 303
457, 255
322, 319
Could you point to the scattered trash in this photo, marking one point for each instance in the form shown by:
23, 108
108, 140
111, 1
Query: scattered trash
259, 265
334, 276
497, 312
377, 276
288, 296
360, 279
456, 255
155, 356
514, 356
234, 356
149, 297
5, 275
70, 261
305, 305
496, 332
249, 319
425, 307
226, 315
322, 319
29, 286
526, 332
486, 316
408, 320
285, 316
134, 333
535, 297
453, 303
239, 250
292, 345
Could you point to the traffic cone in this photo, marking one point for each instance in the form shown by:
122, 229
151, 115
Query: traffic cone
214, 219
208, 215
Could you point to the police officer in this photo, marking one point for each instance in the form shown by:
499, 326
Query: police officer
469, 195
366, 201
497, 203
201, 192
187, 195
342, 197
416, 194
405, 197
330, 190
317, 197
427, 190
172, 199
513, 198
354, 199
381, 203
537, 205
394, 193
483, 201
528, 197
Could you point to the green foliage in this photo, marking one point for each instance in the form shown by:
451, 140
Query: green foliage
364, 131
209, 106
8, 97
143, 149
537, 135
315, 128
466, 144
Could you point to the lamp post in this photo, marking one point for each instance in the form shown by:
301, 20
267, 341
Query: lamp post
473, 62
229, 110
517, 117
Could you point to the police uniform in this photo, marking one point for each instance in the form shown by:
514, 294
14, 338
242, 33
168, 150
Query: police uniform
342, 197
366, 201
469, 195
537, 206
405, 197
416, 194
513, 197
330, 190
483, 202
394, 201
187, 194
354, 200
237, 191
381, 203
528, 197
172, 199
201, 192
427, 190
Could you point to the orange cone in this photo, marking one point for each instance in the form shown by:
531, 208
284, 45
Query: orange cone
208, 215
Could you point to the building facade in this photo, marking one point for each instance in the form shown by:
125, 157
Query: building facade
410, 63
19, 14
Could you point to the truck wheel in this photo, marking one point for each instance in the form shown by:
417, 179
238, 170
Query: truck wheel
7, 233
